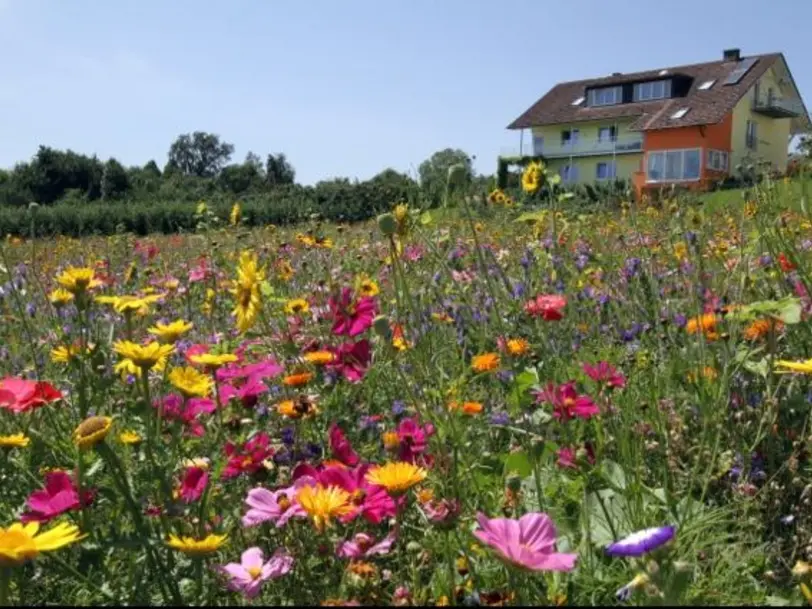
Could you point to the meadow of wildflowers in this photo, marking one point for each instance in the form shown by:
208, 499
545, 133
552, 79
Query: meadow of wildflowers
505, 404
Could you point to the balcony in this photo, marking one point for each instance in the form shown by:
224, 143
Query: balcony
577, 147
778, 107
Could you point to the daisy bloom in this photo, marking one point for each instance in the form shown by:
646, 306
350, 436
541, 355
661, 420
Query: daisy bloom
20, 543
486, 362
319, 358
129, 437
396, 477
17, 440
78, 280
641, 542
60, 297
212, 360
170, 333
196, 547
143, 356
91, 431
322, 503
191, 382
248, 575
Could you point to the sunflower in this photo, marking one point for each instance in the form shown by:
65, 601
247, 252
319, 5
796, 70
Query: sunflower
246, 291
196, 547
125, 305
20, 543
367, 287
17, 440
532, 177
396, 477
91, 431
143, 356
285, 270
296, 306
170, 333
191, 382
322, 503
213, 360
486, 362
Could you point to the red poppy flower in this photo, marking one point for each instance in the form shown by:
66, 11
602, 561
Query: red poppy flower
20, 395
547, 306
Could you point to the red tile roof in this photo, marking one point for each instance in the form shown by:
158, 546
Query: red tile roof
706, 107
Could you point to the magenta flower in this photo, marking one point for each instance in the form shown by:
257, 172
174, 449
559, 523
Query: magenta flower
247, 458
248, 393
413, 438
268, 368
187, 412
604, 372
341, 447
566, 402
443, 512
351, 317
352, 360
59, 496
248, 575
193, 483
528, 543
274, 506
364, 546
370, 501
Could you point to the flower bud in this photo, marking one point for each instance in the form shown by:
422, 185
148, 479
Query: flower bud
387, 224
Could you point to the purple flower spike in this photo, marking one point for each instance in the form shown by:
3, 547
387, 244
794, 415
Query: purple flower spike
641, 542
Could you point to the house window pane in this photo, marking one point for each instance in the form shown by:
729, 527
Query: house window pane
605, 171
538, 144
691, 165
606, 134
606, 96
656, 165
673, 165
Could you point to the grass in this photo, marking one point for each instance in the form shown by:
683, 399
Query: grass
687, 424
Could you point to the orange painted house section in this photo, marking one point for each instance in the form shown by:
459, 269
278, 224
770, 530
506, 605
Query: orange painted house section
706, 137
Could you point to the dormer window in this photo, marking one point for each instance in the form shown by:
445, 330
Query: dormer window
655, 89
606, 96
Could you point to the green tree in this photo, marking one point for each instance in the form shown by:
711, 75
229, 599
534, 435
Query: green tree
115, 181
278, 170
434, 173
199, 154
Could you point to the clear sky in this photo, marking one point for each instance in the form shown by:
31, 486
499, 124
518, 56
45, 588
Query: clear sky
342, 87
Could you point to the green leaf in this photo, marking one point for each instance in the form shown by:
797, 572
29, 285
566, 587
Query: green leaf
426, 219
790, 311
532, 216
266, 289
601, 522
518, 463
614, 474
761, 367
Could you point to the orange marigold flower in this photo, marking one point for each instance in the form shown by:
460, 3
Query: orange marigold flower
761, 328
517, 346
319, 358
486, 362
298, 379
705, 323
469, 408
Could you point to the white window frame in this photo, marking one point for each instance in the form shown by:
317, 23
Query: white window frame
615, 98
651, 90
569, 173
611, 170
664, 154
717, 160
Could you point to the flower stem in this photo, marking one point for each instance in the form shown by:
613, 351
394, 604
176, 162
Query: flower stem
5, 581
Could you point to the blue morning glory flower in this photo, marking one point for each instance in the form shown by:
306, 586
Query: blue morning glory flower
641, 542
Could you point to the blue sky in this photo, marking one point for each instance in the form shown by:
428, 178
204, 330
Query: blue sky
343, 87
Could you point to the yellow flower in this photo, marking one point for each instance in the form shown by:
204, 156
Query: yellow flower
391, 440
20, 543
78, 280
127, 367
801, 569
17, 440
246, 291
213, 360
129, 437
531, 177
517, 346
130, 304
64, 353
170, 333
296, 409
191, 382
319, 358
485, 362
197, 547
680, 251
323, 242
396, 477
143, 356
297, 306
60, 297
323, 503
804, 367
367, 287
235, 215
285, 270
202, 208
91, 431
199, 462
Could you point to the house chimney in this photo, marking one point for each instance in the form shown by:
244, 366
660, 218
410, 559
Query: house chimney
731, 54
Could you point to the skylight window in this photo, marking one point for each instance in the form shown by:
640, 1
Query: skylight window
706, 85
680, 113
578, 101
663, 72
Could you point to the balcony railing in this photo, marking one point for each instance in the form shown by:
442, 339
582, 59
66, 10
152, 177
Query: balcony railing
778, 107
577, 147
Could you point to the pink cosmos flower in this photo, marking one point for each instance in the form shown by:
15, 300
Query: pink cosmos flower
267, 368
201, 272
186, 412
413, 438
341, 447
604, 372
351, 318
352, 360
274, 506
59, 496
443, 512
527, 543
248, 458
248, 575
370, 501
248, 393
193, 483
547, 306
20, 395
364, 546
566, 402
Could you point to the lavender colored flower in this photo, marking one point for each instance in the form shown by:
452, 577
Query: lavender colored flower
641, 542
500, 418
288, 436
398, 407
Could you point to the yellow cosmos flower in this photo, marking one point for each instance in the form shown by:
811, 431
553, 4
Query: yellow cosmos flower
319, 358
78, 280
129, 437
322, 503
296, 306
191, 382
91, 431
485, 362
246, 291
804, 367
197, 547
213, 360
143, 356
170, 333
20, 543
60, 297
396, 477
17, 440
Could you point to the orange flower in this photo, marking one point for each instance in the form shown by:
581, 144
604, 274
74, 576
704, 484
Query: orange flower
319, 358
469, 408
391, 440
298, 379
705, 323
486, 362
761, 328
517, 346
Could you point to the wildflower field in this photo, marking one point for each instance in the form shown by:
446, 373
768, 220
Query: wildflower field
501, 404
